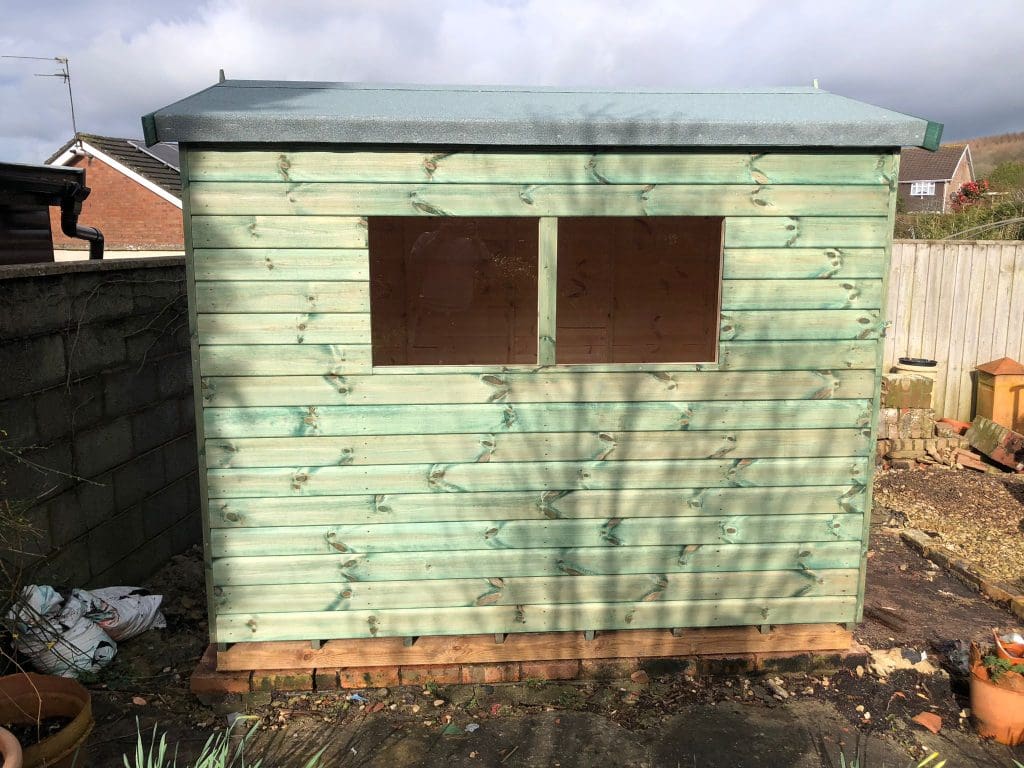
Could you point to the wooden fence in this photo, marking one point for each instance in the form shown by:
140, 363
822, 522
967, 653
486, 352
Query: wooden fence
960, 303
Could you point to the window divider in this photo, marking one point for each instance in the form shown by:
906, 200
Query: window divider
547, 288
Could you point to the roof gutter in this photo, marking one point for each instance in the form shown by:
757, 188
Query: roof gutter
73, 196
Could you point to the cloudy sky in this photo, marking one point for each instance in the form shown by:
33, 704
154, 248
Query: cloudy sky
960, 63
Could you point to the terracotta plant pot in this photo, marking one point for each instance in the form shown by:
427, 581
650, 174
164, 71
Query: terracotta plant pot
998, 711
10, 750
28, 698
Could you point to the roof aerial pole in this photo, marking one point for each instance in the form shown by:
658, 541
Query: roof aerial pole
65, 75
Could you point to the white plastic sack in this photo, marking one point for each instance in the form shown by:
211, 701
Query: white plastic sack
122, 612
56, 636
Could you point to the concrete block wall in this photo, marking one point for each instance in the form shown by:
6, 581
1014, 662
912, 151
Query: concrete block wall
97, 406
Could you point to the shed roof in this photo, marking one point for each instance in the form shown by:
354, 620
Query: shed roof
256, 111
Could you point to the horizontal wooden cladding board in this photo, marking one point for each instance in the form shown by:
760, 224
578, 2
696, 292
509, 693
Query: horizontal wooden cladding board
284, 328
543, 168
406, 622
535, 505
293, 231
351, 420
466, 593
281, 264
284, 359
533, 646
325, 360
525, 476
618, 533
794, 325
281, 296
507, 563
544, 446
644, 199
279, 231
544, 386
801, 294
803, 263
353, 264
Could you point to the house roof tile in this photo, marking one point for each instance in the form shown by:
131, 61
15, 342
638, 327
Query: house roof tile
922, 165
158, 164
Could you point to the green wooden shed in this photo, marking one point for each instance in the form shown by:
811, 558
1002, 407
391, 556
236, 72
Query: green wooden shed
496, 360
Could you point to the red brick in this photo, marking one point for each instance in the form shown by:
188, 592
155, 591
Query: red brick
609, 669
206, 680
128, 214
442, 674
368, 677
491, 673
282, 680
550, 670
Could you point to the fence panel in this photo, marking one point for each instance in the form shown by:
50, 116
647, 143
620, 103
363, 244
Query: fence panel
960, 303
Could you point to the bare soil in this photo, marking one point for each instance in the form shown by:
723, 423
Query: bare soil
979, 516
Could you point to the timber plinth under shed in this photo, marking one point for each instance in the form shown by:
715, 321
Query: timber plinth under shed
489, 361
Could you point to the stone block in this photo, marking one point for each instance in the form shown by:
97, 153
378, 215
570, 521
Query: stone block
38, 472
67, 520
728, 664
174, 375
325, 679
68, 565
97, 296
30, 365
888, 424
104, 447
60, 411
906, 390
17, 423
112, 541
156, 426
180, 456
163, 291
368, 677
96, 500
139, 478
96, 347
21, 300
128, 390
164, 508
567, 669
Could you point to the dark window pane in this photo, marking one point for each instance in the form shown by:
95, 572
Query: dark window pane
453, 291
638, 290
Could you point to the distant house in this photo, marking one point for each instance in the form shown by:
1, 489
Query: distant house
928, 179
135, 200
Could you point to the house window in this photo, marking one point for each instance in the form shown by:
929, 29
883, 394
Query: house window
922, 188
453, 291
465, 291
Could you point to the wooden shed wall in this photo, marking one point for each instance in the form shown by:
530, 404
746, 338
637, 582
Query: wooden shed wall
347, 501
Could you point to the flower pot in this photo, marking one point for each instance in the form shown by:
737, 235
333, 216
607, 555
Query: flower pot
29, 698
1012, 651
998, 710
10, 750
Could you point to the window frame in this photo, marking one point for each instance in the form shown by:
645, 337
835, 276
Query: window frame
916, 188
547, 300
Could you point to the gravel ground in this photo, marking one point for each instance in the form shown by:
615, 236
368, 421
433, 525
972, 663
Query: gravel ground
977, 515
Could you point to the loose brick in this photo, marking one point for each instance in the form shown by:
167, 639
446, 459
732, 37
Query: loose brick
441, 674
490, 673
368, 677
608, 669
207, 681
568, 669
282, 680
733, 664
916, 423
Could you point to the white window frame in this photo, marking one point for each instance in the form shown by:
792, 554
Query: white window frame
922, 188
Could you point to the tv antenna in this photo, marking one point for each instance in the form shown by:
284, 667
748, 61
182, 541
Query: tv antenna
64, 74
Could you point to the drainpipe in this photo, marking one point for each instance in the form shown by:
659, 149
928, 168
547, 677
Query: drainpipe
70, 208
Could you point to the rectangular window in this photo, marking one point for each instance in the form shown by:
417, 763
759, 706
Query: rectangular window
453, 291
922, 188
464, 291
638, 290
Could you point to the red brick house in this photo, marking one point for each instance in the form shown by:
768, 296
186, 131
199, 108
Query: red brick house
135, 199
929, 179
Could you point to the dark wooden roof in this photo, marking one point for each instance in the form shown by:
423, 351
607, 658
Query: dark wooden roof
922, 165
158, 164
